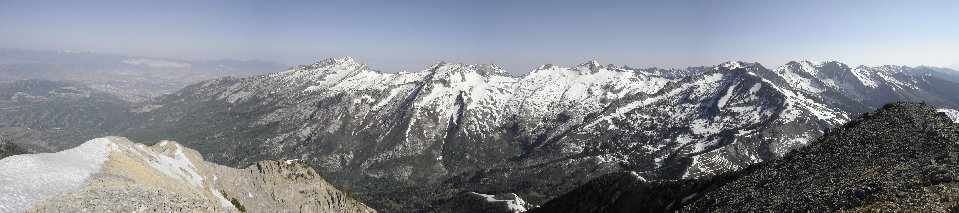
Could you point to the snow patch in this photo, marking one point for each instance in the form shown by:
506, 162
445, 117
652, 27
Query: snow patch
516, 205
635, 175
26, 180
755, 88
689, 197
729, 93
953, 114
219, 196
660, 161
863, 76
177, 166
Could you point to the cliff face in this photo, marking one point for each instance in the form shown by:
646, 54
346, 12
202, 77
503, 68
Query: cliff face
292, 185
902, 157
113, 174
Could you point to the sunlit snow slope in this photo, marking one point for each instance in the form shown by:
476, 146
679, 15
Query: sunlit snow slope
26, 180
119, 175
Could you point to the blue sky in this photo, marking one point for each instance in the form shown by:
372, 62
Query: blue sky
517, 35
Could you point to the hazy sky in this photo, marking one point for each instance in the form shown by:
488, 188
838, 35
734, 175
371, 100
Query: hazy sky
517, 35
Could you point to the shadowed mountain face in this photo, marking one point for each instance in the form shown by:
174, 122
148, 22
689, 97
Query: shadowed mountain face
902, 157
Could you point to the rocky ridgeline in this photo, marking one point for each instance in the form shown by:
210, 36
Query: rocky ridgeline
902, 157
167, 177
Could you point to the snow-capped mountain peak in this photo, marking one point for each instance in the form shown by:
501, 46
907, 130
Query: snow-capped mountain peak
484, 70
347, 61
812, 63
330, 66
591, 63
731, 65
543, 67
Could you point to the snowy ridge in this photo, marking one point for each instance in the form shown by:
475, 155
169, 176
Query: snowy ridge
858, 82
176, 176
731, 98
580, 89
26, 180
480, 97
29, 179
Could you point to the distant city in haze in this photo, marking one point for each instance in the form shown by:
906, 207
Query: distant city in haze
519, 36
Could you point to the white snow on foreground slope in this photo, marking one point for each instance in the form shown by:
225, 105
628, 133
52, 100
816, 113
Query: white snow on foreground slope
121, 176
26, 180
953, 114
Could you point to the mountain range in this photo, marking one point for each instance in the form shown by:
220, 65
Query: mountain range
411, 141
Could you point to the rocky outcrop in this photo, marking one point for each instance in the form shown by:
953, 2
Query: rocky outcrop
8, 148
292, 185
115, 175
